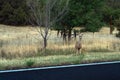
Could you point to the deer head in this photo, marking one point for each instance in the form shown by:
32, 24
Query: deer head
80, 36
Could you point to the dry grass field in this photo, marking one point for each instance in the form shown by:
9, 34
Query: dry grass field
18, 43
25, 41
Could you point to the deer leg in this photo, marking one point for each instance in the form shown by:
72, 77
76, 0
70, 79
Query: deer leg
78, 51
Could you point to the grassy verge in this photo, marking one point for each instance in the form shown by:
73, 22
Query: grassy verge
53, 60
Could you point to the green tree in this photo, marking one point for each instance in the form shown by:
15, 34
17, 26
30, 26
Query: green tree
6, 12
19, 16
13, 12
111, 12
93, 16
84, 13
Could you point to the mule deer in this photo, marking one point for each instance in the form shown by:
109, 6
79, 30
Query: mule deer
78, 45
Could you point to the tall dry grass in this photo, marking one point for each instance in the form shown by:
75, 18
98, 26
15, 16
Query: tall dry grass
18, 42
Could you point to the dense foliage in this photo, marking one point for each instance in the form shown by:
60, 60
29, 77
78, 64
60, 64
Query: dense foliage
91, 14
84, 13
13, 12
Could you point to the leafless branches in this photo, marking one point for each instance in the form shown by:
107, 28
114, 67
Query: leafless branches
45, 13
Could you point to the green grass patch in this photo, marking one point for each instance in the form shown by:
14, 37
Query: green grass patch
54, 60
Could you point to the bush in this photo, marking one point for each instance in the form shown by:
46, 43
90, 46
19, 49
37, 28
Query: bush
30, 63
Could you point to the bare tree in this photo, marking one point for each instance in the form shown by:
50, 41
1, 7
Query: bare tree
45, 13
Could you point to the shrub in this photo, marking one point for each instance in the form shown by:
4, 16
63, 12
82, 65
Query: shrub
30, 63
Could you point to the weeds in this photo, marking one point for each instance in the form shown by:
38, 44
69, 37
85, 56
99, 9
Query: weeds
30, 63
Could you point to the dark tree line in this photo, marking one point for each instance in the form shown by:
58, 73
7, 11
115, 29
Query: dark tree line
13, 12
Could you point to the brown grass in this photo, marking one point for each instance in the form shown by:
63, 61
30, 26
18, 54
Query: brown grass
24, 42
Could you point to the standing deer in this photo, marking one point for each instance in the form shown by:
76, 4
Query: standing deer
78, 45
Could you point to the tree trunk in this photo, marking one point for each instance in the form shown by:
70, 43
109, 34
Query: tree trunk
61, 33
58, 31
69, 35
93, 35
45, 43
111, 28
64, 37
75, 34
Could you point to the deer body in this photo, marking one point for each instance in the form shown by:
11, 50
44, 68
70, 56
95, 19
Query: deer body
78, 45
